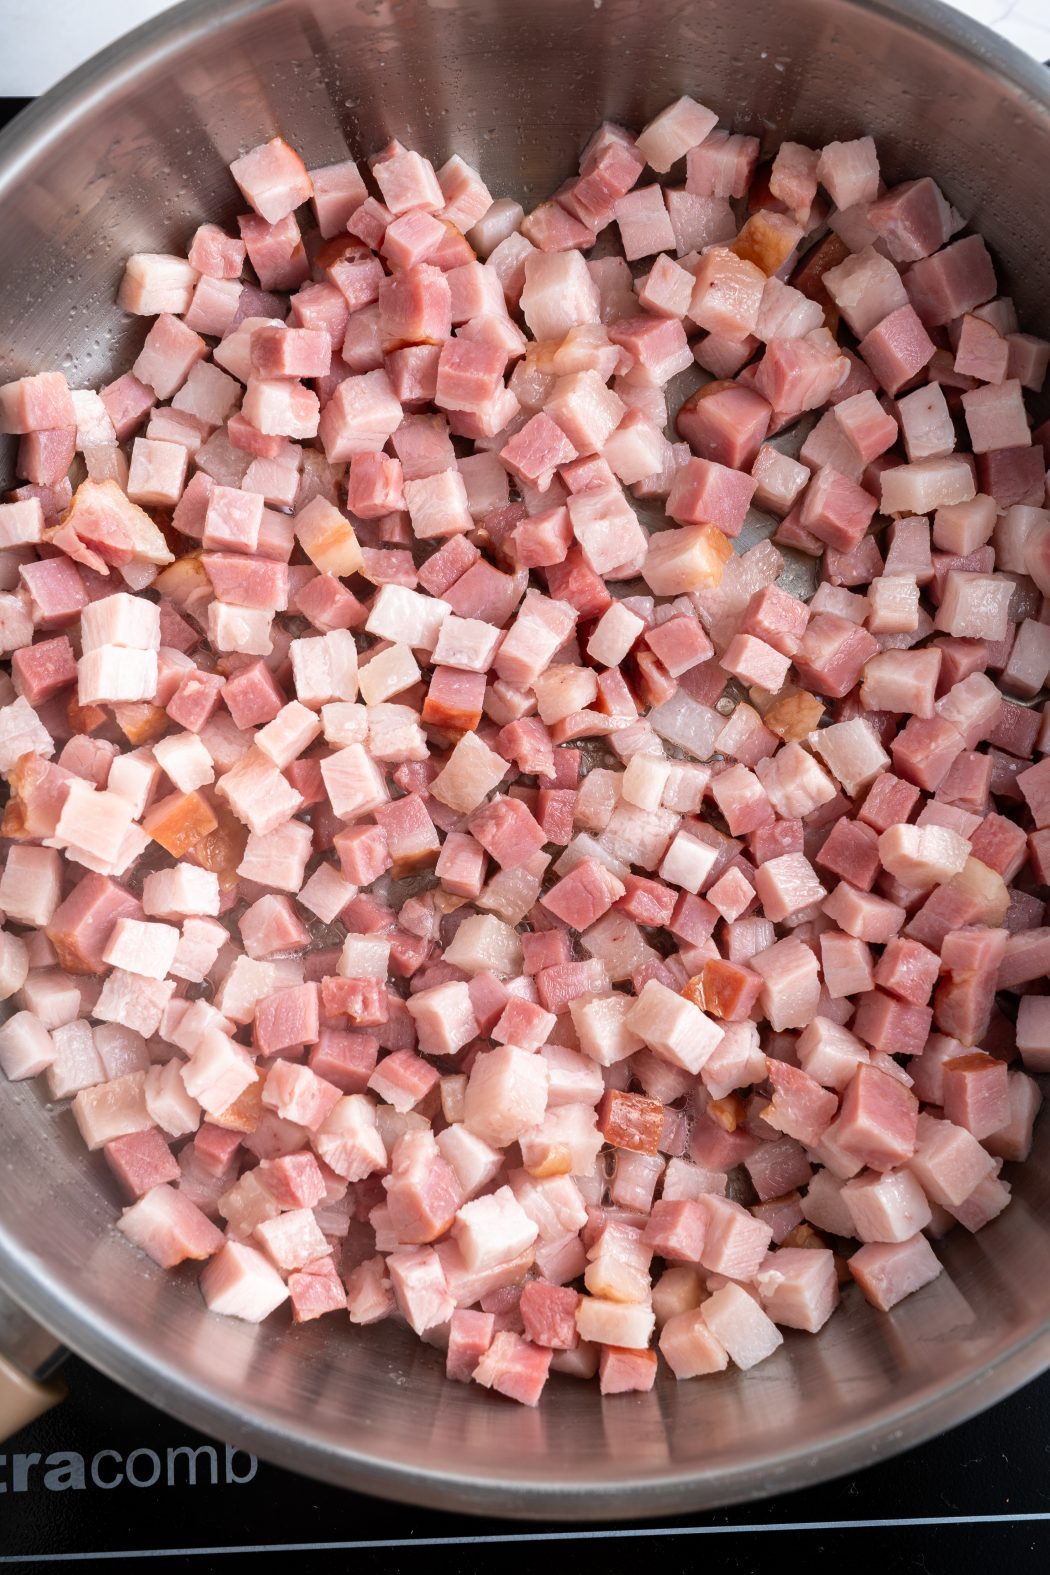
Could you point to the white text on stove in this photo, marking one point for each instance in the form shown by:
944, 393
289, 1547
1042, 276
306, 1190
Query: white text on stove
141, 1468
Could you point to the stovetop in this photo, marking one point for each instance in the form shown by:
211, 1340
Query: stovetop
106, 1482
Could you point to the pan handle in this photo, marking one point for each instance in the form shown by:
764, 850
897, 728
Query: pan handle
29, 1357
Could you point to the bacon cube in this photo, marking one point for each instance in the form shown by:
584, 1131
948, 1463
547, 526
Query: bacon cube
877, 1122
887, 1273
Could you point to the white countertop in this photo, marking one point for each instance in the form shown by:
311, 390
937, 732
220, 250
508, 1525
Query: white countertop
43, 39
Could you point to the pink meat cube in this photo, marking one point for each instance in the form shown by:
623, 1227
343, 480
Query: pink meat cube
727, 294
836, 510
886, 1273
241, 1283
581, 897
273, 178
755, 663
704, 492
787, 886
722, 165
141, 1161
419, 1286
981, 352
800, 1107
316, 1289
549, 1315
469, 1337
948, 1160
677, 1230
996, 417
422, 1191
369, 1298
865, 287
976, 1093
846, 963
689, 1347
897, 348
283, 1020
167, 1226
26, 1048
45, 669
671, 134
849, 171
776, 618
877, 1122
832, 654
338, 191
621, 1370
39, 403
780, 480
507, 831
886, 1208
798, 1287
514, 1367
645, 226
908, 970
741, 1326
851, 851
952, 282
796, 374
914, 219
407, 181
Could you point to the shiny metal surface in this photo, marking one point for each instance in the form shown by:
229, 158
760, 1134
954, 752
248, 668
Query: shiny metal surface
131, 153
25, 1343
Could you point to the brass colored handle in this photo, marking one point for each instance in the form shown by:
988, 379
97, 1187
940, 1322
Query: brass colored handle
23, 1399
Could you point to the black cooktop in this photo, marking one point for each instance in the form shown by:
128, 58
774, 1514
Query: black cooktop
105, 1482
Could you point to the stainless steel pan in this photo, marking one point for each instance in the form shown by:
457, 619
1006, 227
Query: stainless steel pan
129, 154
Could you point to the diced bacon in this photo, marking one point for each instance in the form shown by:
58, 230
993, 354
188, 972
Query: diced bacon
241, 1283
673, 1027
739, 1324
26, 1048
953, 281
348, 1140
558, 293
721, 165
170, 1228
866, 288
914, 219
273, 178
791, 987
514, 1367
689, 1347
796, 374
370, 1297
849, 171
877, 1122
727, 294
644, 224
798, 1287
671, 134
888, 1273
141, 1161
38, 403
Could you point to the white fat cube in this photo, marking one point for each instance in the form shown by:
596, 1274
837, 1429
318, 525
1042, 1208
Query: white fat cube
244, 629
142, 948
364, 957
131, 621
401, 614
185, 760
111, 675
390, 673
